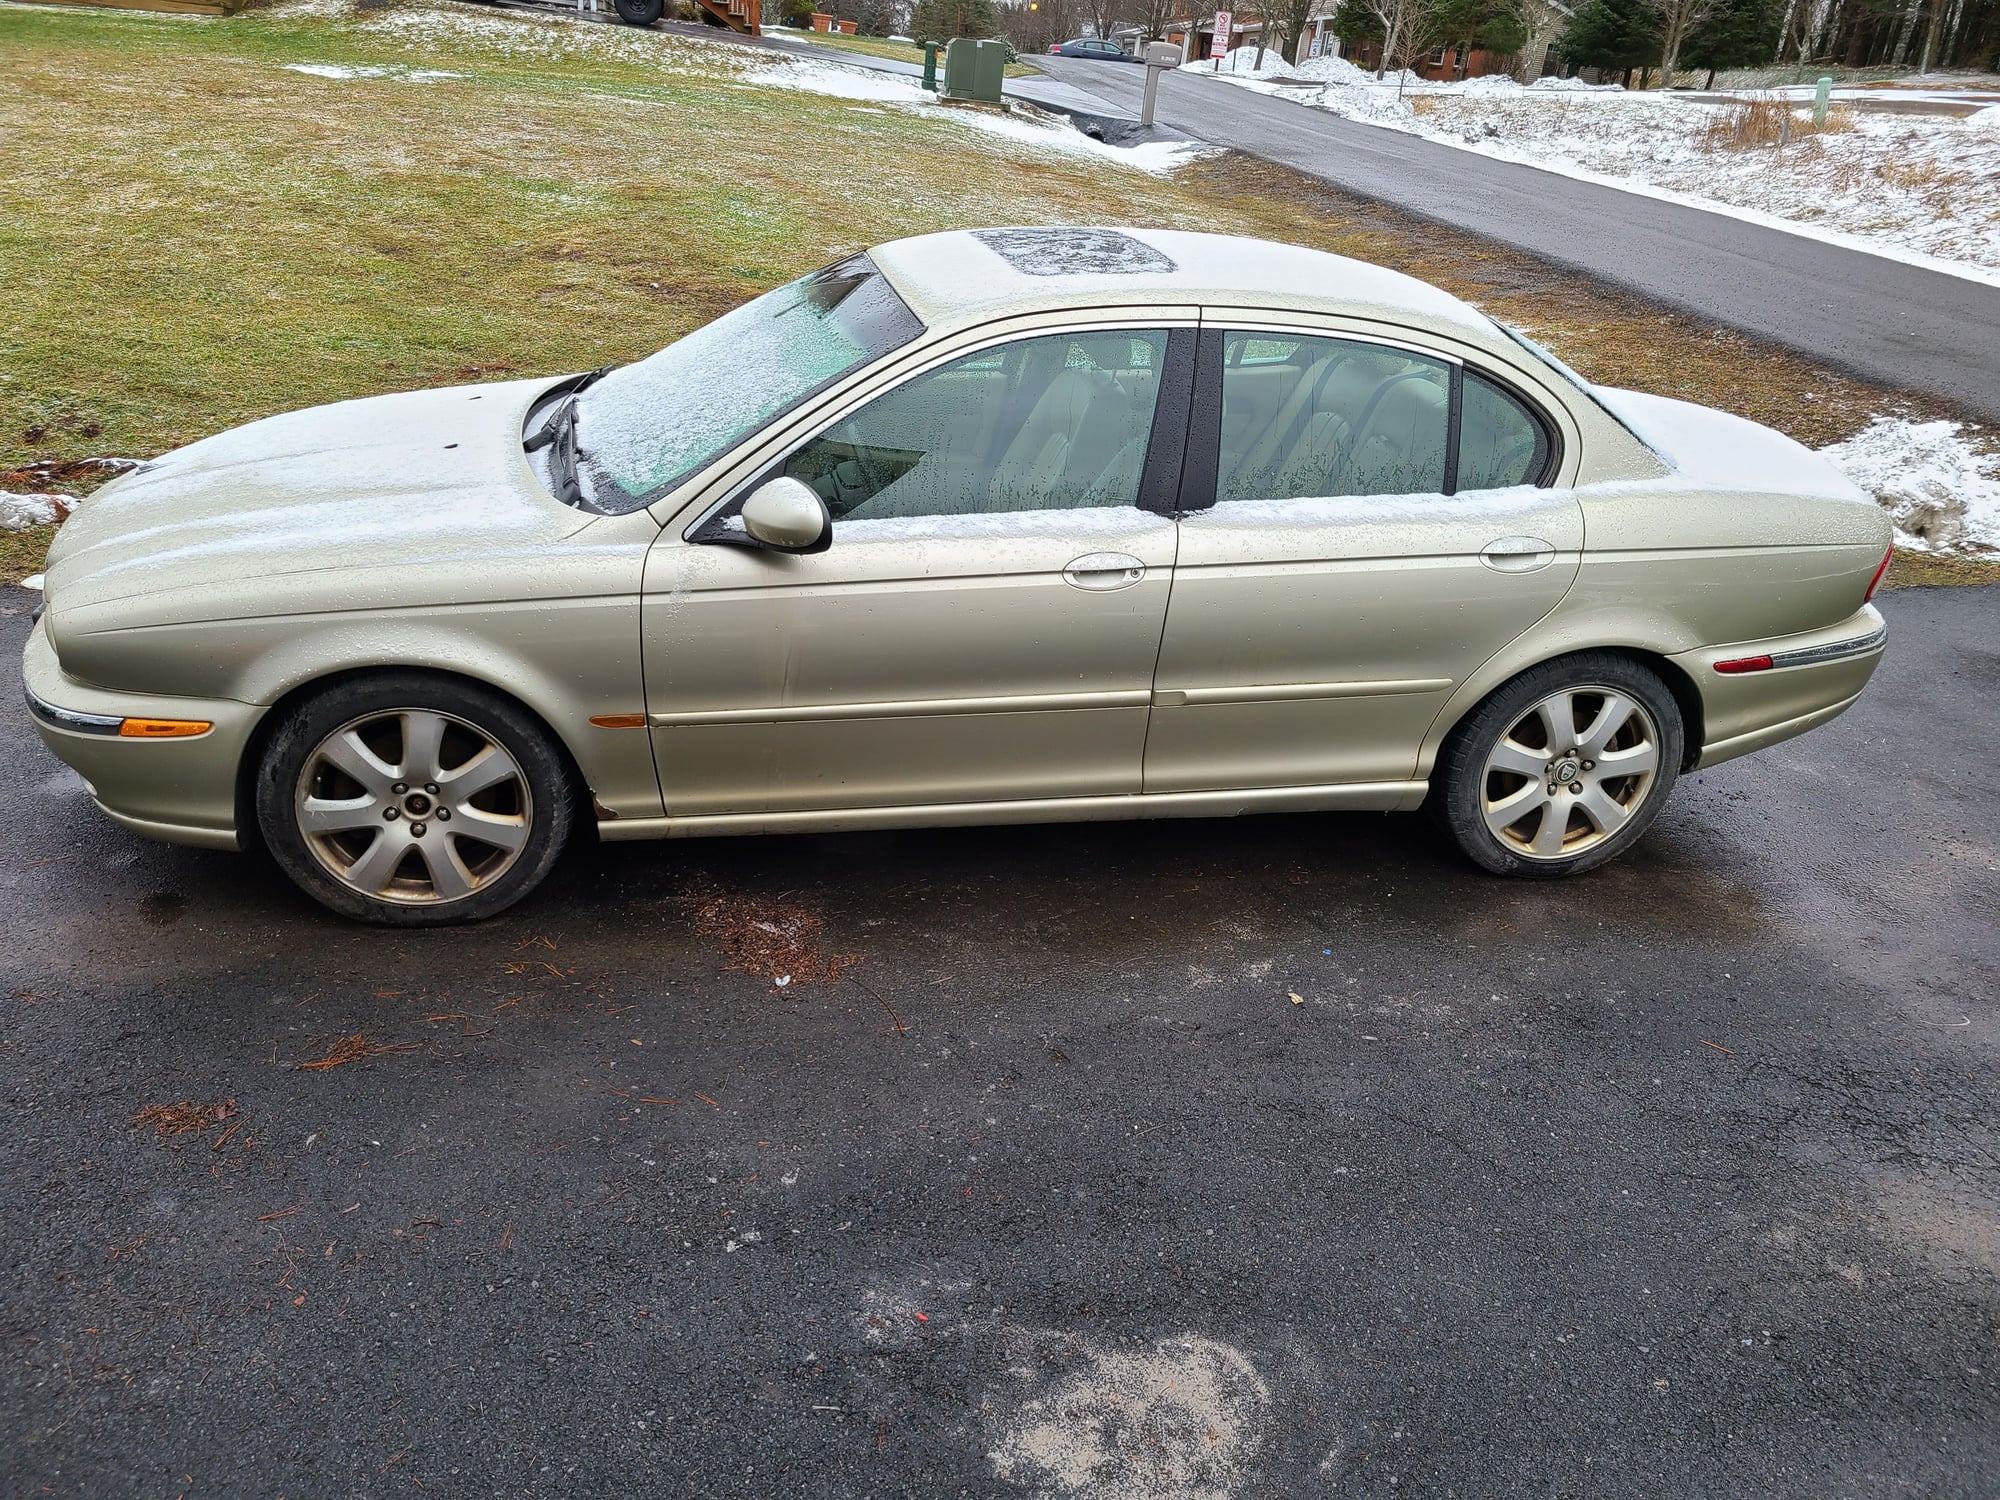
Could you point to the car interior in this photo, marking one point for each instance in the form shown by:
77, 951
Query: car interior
1062, 422
1040, 424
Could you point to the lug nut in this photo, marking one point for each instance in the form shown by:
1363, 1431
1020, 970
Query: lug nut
431, 787
444, 814
416, 830
391, 814
400, 787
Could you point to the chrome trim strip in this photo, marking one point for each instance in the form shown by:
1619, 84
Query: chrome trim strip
1286, 692
1810, 656
70, 719
1374, 796
909, 708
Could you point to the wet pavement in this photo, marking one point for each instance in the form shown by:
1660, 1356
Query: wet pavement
1282, 1156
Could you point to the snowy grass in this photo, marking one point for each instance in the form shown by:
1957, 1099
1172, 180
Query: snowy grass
1939, 482
1917, 186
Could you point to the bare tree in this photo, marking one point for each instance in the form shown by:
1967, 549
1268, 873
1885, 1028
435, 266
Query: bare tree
1285, 22
1678, 18
1542, 25
1100, 15
1154, 16
1406, 29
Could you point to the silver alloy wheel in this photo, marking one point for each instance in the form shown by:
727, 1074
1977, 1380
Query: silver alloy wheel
413, 806
1570, 772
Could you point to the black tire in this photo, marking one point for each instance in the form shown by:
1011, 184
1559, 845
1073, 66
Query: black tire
640, 12
1463, 786
535, 807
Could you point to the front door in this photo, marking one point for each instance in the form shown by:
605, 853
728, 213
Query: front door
983, 627
1369, 535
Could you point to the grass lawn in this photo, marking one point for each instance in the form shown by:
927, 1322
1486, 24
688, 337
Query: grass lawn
193, 235
881, 46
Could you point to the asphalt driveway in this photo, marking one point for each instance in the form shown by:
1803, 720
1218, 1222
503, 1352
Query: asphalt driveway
1279, 1157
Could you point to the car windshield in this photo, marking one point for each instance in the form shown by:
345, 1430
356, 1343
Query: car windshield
644, 428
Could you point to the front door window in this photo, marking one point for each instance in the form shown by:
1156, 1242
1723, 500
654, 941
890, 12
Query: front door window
1053, 423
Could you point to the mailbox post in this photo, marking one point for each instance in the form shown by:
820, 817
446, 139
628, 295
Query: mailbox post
1160, 56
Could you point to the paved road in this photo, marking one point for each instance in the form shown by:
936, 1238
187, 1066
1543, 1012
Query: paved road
1906, 327
1680, 1180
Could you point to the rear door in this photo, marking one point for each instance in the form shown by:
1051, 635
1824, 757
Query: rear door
985, 623
1363, 529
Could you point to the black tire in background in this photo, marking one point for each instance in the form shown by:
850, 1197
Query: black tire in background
1461, 782
545, 783
640, 12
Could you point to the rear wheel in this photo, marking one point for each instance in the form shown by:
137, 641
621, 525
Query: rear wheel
1562, 769
413, 801
639, 12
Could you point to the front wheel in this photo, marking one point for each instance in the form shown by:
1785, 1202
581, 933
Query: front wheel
640, 12
1562, 769
413, 801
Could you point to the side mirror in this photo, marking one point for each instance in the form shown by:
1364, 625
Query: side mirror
787, 516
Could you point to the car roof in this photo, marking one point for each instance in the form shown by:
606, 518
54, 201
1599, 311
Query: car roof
965, 277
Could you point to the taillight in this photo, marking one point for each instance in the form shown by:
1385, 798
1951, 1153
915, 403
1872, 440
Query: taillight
1880, 568
1744, 664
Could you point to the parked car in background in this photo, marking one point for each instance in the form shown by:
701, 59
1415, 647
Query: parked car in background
1090, 46
1003, 526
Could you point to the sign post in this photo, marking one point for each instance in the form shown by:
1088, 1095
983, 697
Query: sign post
1219, 43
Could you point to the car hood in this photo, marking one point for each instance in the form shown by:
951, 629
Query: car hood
1713, 447
425, 477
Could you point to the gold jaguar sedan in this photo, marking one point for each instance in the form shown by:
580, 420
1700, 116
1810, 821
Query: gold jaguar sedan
1005, 526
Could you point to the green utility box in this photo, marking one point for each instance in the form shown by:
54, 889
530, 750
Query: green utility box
974, 70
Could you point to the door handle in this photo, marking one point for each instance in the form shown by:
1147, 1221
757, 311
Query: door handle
1517, 554
1104, 571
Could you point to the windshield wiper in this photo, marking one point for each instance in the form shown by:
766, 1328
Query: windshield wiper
558, 434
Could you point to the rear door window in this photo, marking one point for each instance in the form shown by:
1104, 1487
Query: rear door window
1499, 442
1307, 416
1304, 416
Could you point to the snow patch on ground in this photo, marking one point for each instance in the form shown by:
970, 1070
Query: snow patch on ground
19, 512
1179, 1421
433, 29
838, 82
1242, 63
1156, 157
346, 70
1028, 128
1919, 188
1942, 490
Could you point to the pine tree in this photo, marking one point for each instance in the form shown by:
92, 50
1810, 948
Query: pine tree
1612, 36
941, 20
1744, 33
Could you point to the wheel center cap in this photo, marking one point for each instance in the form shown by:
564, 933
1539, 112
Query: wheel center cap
416, 804
1566, 772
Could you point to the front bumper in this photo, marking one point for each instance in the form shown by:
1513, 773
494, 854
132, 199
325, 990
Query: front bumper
1813, 677
180, 790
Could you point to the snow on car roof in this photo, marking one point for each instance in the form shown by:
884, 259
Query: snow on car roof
967, 276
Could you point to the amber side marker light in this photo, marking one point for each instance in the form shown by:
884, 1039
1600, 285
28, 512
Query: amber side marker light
619, 721
162, 729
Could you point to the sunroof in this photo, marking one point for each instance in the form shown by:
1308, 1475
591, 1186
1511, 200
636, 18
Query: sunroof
1073, 252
